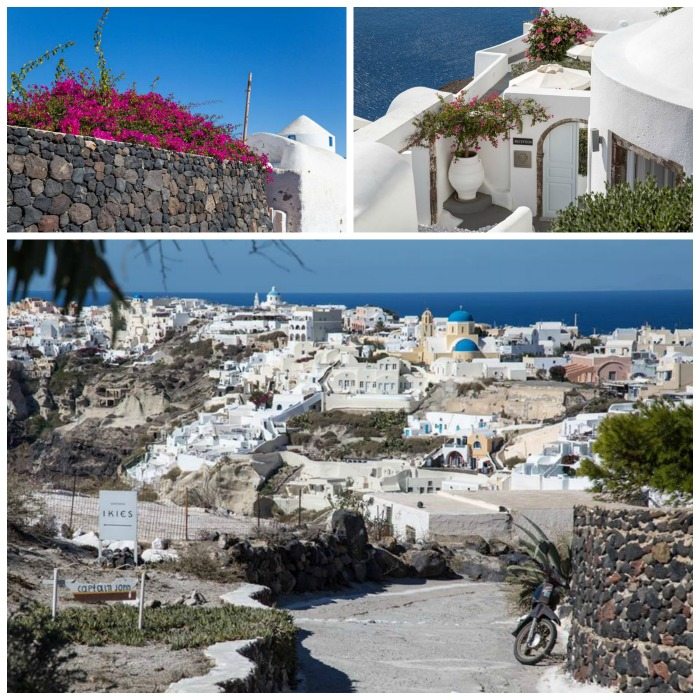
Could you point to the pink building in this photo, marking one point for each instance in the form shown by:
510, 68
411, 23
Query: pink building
594, 369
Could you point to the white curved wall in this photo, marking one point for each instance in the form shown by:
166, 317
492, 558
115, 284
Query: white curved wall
520, 221
308, 184
609, 18
384, 192
638, 92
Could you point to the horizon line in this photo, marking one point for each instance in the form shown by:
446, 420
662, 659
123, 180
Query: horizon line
512, 291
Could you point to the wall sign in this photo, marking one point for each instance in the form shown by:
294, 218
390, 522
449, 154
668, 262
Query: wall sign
522, 159
520, 141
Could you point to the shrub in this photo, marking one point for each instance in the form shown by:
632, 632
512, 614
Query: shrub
646, 207
557, 373
197, 560
552, 35
469, 388
544, 557
35, 652
173, 473
147, 494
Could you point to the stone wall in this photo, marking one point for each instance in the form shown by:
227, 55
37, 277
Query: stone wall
61, 182
329, 560
632, 623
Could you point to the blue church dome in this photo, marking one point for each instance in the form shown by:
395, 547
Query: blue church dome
466, 345
460, 316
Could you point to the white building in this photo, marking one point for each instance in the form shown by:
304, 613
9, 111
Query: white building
448, 424
308, 181
388, 375
314, 323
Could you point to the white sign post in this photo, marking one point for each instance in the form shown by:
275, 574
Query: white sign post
118, 518
141, 592
54, 595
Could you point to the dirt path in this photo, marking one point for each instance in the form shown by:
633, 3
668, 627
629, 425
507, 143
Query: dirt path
437, 636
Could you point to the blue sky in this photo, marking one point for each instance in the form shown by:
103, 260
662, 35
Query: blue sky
297, 56
408, 266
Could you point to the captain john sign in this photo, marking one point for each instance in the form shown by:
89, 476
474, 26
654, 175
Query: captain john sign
117, 517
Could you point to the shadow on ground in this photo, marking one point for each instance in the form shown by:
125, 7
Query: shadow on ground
334, 681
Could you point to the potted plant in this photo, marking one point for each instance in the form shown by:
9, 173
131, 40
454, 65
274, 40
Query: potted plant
552, 35
468, 123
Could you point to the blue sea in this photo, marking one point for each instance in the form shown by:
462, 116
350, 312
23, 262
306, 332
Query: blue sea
400, 48
596, 311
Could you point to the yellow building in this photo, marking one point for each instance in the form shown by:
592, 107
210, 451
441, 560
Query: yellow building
459, 342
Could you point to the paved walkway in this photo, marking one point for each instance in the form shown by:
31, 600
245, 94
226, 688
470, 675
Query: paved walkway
438, 636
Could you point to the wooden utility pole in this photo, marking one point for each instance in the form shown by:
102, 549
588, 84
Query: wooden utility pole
247, 107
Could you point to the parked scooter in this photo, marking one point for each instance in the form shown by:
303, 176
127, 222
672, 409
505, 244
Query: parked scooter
535, 634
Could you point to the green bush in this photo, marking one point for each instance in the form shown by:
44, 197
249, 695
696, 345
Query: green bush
35, 652
643, 208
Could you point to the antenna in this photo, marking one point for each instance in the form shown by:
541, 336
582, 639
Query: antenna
247, 107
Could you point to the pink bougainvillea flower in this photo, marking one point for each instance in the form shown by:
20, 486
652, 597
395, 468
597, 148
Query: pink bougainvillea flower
75, 105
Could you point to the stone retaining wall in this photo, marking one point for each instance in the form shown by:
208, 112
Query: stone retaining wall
328, 560
61, 182
632, 604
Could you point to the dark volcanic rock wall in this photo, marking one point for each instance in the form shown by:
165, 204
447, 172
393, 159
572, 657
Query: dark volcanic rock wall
632, 622
60, 182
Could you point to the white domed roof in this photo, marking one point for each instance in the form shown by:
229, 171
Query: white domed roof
304, 125
654, 58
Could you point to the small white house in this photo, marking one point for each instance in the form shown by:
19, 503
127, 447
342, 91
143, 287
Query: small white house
308, 181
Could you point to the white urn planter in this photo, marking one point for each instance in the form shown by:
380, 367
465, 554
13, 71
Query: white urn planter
466, 175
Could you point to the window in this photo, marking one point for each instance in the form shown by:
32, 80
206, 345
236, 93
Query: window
632, 164
330, 141
292, 137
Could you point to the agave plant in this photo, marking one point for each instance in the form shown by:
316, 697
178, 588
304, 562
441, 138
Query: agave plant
544, 556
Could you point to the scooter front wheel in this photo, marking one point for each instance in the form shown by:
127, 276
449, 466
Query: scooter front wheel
542, 643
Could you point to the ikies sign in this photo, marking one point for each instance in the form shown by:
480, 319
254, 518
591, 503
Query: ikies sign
118, 515
521, 141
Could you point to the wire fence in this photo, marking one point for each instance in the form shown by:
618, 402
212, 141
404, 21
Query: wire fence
155, 520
